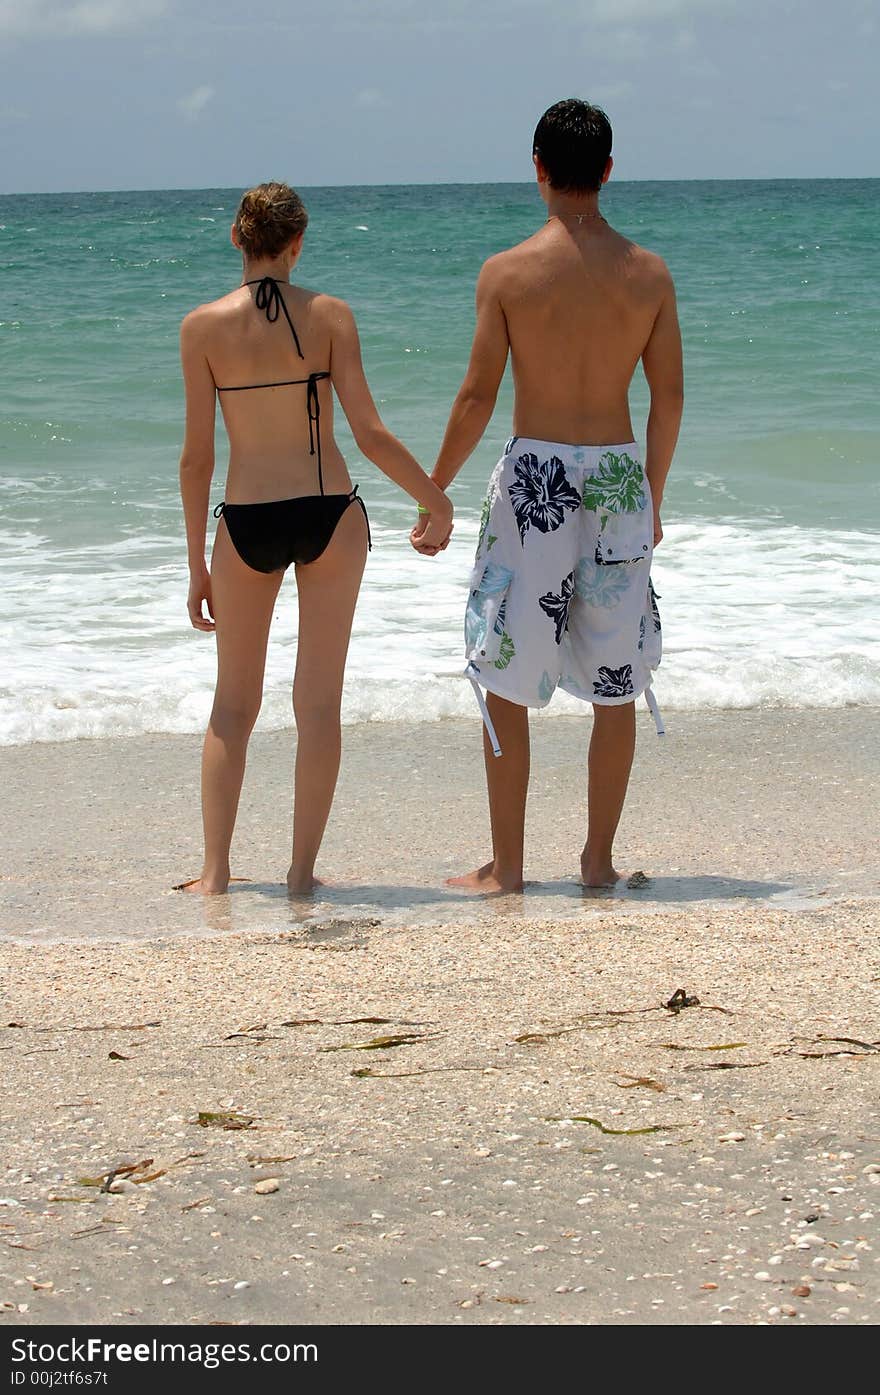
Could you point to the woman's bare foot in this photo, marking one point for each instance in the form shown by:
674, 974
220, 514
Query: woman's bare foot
485, 881
206, 886
209, 886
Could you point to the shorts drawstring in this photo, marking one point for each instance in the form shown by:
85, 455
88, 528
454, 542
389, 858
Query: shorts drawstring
655, 711
478, 694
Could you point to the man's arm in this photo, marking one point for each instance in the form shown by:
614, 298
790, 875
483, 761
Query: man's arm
662, 363
476, 398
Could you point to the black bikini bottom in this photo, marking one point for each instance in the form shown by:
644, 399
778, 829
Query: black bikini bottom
269, 537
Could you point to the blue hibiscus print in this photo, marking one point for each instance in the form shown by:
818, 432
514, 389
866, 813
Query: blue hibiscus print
486, 606
599, 585
614, 682
546, 687
655, 609
571, 685
540, 494
557, 607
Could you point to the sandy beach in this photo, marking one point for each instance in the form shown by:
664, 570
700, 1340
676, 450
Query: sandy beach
463, 1111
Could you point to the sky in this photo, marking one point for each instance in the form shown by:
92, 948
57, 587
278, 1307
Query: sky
147, 94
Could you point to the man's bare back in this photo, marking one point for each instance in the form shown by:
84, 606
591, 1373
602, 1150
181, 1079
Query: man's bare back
576, 306
580, 305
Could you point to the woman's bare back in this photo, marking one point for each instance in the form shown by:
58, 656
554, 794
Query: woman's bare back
271, 448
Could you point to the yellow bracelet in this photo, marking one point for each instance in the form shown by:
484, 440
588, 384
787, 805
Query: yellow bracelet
422, 509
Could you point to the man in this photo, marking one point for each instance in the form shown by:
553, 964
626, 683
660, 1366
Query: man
561, 592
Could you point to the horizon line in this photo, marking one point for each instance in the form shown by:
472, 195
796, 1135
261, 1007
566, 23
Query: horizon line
444, 184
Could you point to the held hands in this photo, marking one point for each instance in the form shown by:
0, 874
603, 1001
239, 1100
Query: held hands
200, 595
433, 531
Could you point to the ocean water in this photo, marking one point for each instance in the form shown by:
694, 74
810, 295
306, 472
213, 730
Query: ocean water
770, 568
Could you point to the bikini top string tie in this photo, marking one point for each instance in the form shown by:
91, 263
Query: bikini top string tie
313, 407
270, 300
268, 297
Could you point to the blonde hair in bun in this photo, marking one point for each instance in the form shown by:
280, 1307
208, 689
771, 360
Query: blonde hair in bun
269, 217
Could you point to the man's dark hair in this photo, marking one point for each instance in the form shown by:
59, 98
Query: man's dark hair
573, 143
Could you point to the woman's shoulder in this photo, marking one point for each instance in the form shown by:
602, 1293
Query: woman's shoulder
320, 303
200, 319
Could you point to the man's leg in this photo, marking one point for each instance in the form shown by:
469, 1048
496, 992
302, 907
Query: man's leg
612, 748
507, 777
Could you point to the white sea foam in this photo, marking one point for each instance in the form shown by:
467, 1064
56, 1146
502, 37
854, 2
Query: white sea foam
94, 641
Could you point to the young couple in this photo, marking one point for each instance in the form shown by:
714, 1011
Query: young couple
560, 595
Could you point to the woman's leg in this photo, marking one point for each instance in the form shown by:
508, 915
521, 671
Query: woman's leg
328, 591
243, 603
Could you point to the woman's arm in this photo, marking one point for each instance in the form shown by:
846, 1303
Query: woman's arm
197, 463
373, 438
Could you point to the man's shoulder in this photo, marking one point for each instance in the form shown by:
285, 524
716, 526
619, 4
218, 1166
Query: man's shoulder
501, 265
649, 263
496, 265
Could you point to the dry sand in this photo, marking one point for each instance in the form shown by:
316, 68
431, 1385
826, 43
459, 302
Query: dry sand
552, 1145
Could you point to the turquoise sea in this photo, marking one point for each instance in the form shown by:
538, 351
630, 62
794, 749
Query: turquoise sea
770, 569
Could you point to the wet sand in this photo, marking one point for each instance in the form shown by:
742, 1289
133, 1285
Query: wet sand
549, 1144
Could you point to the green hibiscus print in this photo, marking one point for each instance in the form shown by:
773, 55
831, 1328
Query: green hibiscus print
617, 486
484, 521
507, 651
490, 540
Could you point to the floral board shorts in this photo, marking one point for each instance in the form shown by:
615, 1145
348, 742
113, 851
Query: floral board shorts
561, 594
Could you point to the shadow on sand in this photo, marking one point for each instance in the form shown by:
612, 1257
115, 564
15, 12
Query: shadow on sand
349, 908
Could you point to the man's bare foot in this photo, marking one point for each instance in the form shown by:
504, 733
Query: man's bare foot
598, 874
603, 875
485, 882
302, 886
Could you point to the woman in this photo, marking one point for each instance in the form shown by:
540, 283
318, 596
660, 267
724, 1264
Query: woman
272, 350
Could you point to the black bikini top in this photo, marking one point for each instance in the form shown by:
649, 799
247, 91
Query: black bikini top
270, 300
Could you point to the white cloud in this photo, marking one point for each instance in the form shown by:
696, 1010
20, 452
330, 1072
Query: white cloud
612, 92
13, 116
621, 45
194, 103
371, 99
24, 19
623, 11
